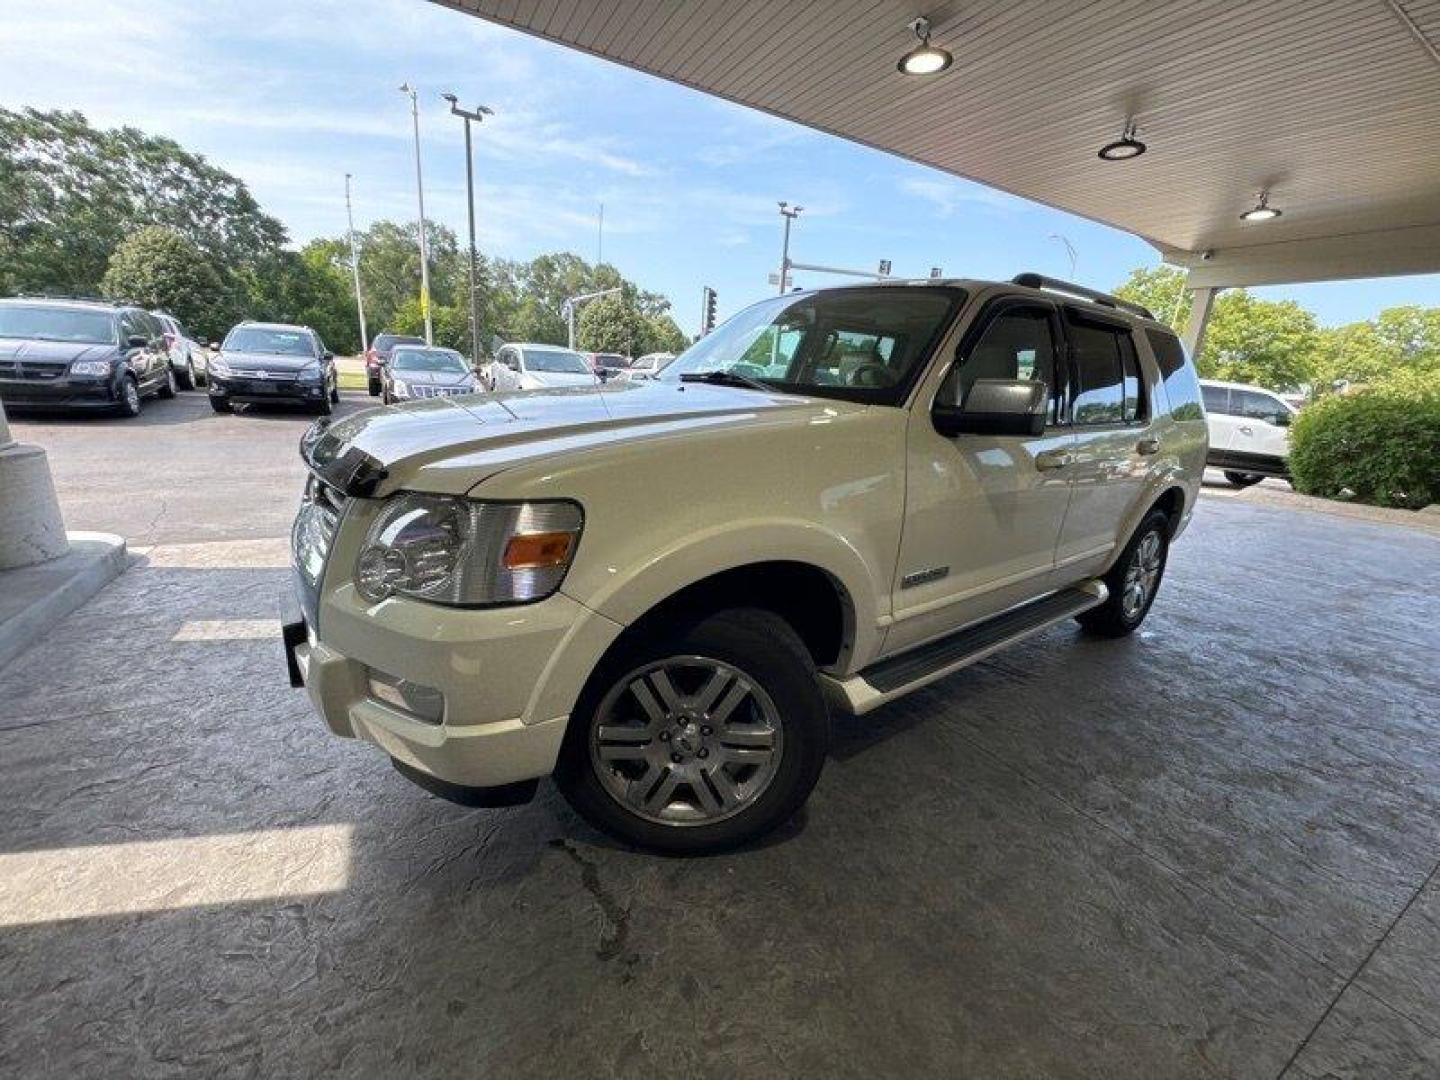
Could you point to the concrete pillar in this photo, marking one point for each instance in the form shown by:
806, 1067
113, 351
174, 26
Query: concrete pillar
1201, 301
31, 529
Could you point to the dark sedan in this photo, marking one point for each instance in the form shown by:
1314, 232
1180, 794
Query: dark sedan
273, 364
422, 372
80, 355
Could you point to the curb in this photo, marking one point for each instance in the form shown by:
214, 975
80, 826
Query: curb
94, 560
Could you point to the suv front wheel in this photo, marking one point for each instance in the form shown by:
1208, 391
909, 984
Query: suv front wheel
699, 737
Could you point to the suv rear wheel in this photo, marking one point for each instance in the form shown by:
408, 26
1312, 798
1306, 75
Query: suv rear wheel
700, 737
1241, 479
167, 388
1133, 580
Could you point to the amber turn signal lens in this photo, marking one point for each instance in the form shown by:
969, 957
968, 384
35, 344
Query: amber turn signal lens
536, 550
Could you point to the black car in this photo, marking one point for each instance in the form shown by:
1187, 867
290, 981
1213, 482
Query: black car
378, 355
273, 364
80, 355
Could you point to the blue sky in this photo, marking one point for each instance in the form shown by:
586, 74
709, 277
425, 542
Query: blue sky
292, 95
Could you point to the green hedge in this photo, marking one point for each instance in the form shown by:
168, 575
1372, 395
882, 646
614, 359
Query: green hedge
1382, 443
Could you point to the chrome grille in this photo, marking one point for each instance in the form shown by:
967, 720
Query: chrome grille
425, 391
313, 533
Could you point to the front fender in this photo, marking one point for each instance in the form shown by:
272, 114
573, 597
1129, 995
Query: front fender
624, 594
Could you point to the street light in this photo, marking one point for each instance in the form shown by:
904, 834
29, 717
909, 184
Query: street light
406, 88
355, 268
477, 115
569, 306
789, 213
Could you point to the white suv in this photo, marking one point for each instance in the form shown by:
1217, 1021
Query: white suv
658, 590
1249, 431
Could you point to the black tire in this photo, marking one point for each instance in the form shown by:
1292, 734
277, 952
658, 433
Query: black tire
756, 643
128, 403
220, 405
187, 380
1241, 479
167, 388
1112, 619
386, 399
335, 394
374, 387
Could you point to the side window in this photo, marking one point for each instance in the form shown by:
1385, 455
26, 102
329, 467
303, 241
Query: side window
1256, 406
1133, 385
510, 358
1099, 372
1181, 387
1019, 343
1216, 399
132, 326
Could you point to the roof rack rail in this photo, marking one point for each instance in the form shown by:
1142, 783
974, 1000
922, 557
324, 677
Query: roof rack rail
66, 296
1069, 288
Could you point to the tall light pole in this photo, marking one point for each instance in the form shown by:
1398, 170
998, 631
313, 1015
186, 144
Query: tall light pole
479, 114
1069, 250
789, 213
406, 88
355, 268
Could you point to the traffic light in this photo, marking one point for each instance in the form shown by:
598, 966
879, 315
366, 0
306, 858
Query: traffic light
707, 316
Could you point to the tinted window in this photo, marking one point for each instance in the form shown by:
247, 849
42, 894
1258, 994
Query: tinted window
1099, 373
1216, 399
1181, 387
39, 323
1019, 343
556, 360
133, 325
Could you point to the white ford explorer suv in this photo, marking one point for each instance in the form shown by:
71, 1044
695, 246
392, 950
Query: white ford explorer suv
1249, 431
658, 591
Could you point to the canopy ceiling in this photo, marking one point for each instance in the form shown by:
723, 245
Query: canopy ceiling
1333, 106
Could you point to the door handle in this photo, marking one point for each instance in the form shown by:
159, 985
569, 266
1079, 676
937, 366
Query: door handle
1246, 429
1148, 445
1052, 459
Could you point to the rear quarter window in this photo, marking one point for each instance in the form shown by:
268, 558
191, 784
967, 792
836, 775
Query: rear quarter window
1177, 374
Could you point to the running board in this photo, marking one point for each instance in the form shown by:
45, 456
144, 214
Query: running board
896, 676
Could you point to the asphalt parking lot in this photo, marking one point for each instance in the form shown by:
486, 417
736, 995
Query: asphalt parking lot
1207, 850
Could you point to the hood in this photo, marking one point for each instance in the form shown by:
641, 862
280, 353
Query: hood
259, 361
560, 378
477, 435
52, 352
433, 378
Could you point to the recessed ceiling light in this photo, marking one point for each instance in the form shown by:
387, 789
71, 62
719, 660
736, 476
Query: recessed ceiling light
924, 59
1262, 211
1123, 148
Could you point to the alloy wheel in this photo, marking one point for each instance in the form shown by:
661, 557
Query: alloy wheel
688, 740
1142, 575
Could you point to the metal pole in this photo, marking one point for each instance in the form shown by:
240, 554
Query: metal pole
789, 213
600, 239
5, 439
570, 323
474, 283
420, 198
355, 268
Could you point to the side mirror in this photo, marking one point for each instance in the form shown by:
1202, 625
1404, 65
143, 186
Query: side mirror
1281, 419
327, 356
137, 341
995, 407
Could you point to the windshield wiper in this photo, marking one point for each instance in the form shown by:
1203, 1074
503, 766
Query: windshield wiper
720, 377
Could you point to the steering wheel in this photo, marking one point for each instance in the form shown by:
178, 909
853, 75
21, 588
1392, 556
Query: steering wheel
871, 375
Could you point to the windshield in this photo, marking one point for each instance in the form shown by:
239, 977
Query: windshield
555, 360
254, 339
859, 344
446, 360
38, 323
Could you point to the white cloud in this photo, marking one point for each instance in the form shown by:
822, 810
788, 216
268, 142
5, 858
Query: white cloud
947, 197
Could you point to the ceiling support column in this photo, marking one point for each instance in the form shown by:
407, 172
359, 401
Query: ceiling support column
1201, 301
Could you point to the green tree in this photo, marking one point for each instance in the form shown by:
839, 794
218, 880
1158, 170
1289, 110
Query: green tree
613, 324
70, 193
159, 268
663, 335
1162, 290
1265, 342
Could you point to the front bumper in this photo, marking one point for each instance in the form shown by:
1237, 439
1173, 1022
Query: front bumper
509, 677
67, 392
260, 391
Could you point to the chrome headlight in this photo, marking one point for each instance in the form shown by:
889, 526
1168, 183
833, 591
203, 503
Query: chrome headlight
218, 366
399, 388
90, 367
465, 552
310, 372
